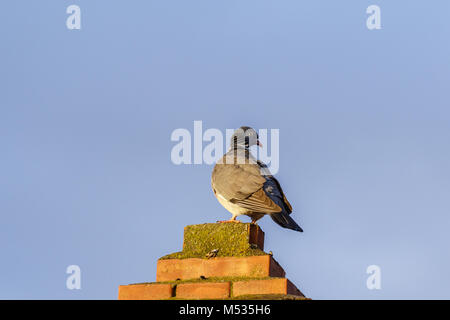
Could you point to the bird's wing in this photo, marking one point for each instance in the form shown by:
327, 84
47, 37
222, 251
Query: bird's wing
273, 188
236, 181
243, 184
258, 202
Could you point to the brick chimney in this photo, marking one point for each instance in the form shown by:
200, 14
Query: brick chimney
218, 261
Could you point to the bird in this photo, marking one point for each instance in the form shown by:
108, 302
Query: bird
212, 254
244, 185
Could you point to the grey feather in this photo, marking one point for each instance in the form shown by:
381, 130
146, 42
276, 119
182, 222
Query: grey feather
244, 185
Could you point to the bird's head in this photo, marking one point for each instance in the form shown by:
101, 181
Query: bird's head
244, 137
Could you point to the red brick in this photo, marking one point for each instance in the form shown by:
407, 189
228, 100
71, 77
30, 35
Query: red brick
151, 291
183, 269
256, 236
206, 290
265, 286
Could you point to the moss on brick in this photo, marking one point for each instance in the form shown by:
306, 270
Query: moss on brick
231, 239
269, 297
255, 297
210, 279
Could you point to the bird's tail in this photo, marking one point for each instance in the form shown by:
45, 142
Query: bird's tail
283, 219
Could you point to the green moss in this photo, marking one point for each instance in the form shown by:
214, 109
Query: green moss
231, 239
269, 297
211, 279
231, 279
256, 297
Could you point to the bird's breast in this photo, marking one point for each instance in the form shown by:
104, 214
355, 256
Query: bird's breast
232, 207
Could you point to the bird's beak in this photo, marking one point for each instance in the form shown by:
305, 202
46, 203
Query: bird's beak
259, 144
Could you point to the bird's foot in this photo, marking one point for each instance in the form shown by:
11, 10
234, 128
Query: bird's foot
231, 220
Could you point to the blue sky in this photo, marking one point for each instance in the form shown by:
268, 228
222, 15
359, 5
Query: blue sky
86, 117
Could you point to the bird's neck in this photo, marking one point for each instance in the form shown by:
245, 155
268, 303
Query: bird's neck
240, 151
239, 147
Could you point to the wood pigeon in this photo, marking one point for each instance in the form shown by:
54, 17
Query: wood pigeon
245, 186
